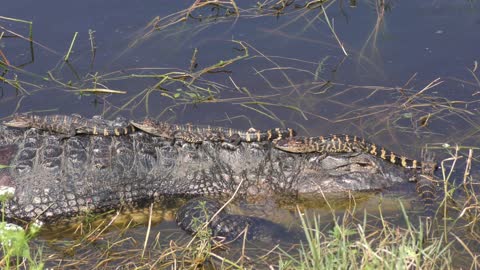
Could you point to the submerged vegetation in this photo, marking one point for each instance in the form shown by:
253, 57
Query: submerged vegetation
276, 88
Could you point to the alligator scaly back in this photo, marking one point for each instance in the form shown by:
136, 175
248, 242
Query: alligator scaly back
341, 143
197, 134
69, 125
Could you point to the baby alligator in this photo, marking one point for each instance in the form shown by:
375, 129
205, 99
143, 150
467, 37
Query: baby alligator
69, 125
341, 143
197, 134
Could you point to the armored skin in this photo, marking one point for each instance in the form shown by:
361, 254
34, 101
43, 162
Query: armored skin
56, 177
53, 176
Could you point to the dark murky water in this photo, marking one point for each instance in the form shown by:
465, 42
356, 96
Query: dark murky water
295, 73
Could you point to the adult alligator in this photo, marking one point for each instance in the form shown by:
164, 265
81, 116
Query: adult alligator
54, 177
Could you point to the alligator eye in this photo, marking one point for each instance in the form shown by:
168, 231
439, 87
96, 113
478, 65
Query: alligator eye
363, 164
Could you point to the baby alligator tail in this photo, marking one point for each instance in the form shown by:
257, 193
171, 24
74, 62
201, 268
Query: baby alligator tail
341, 143
426, 184
234, 135
103, 130
426, 190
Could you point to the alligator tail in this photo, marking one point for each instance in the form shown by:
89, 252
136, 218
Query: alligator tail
253, 135
107, 131
426, 187
426, 191
342, 143
358, 144
393, 158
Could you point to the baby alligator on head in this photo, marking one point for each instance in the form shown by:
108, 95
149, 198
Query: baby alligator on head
69, 125
341, 143
197, 134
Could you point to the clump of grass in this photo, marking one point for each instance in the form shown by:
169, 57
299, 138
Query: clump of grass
213, 11
14, 242
7, 74
349, 245
200, 248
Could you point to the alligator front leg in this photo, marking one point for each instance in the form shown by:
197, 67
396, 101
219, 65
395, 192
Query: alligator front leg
204, 214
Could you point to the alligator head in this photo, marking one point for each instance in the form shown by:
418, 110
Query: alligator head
19, 121
161, 129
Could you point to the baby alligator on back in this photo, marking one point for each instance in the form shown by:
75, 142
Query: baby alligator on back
341, 143
197, 134
69, 125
